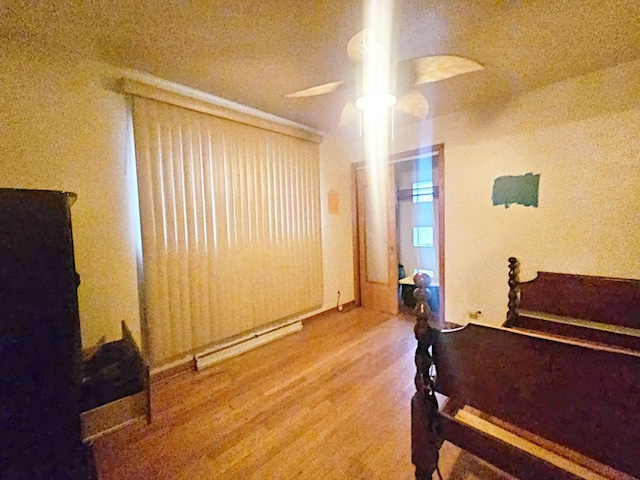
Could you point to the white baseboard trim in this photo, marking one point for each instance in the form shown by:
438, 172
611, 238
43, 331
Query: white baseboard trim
211, 357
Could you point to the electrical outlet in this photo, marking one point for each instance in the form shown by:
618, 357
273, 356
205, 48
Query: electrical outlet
474, 315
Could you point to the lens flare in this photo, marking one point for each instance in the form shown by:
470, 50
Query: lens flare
375, 129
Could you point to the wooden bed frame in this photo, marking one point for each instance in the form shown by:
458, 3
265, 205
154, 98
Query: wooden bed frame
600, 310
536, 402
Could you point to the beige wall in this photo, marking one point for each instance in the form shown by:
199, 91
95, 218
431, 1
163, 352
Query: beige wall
63, 127
335, 177
583, 137
60, 129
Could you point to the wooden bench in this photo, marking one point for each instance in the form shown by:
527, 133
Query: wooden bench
534, 405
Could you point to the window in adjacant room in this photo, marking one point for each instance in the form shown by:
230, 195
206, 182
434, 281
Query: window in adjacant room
422, 192
423, 236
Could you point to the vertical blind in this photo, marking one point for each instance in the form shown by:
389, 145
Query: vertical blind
230, 220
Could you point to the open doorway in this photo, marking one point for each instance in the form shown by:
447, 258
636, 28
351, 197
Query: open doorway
418, 227
415, 239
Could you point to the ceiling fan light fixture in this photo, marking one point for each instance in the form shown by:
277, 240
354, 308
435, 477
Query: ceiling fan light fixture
376, 101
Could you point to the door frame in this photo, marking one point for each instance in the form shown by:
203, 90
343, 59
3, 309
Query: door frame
379, 296
435, 152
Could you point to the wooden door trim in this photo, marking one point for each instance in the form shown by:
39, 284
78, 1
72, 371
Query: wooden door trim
382, 294
356, 233
436, 151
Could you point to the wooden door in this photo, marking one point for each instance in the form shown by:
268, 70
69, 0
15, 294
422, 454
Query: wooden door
376, 227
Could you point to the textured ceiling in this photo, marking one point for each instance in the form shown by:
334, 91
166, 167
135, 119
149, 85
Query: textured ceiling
256, 51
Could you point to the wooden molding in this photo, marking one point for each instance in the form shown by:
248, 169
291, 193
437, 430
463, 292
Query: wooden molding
356, 233
429, 151
346, 307
178, 368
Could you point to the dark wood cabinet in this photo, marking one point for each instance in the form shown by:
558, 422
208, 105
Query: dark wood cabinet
40, 349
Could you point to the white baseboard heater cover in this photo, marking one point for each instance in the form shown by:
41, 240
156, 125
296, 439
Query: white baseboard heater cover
244, 344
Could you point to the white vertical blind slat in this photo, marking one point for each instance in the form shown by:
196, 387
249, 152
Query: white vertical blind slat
230, 226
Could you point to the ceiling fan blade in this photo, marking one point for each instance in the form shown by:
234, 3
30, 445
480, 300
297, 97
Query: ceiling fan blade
440, 67
349, 114
414, 104
317, 90
355, 46
363, 41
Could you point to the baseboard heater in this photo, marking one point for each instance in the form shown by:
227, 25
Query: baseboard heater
247, 342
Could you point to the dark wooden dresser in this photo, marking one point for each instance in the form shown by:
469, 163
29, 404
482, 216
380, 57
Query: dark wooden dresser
40, 349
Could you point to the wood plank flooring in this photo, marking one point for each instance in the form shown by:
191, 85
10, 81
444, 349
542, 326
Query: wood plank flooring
329, 402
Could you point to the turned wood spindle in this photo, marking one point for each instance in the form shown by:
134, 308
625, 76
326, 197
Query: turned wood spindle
423, 332
514, 301
425, 442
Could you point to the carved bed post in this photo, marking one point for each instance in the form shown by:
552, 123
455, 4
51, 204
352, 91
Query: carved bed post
425, 442
512, 312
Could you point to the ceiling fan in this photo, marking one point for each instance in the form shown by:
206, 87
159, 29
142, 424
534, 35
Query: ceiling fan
411, 101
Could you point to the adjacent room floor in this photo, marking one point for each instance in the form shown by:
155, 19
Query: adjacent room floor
329, 402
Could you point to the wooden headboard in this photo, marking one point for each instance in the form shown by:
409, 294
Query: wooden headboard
614, 301
601, 310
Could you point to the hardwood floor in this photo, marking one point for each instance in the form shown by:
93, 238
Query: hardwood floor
329, 402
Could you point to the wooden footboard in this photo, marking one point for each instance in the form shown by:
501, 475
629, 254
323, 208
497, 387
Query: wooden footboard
517, 451
583, 398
